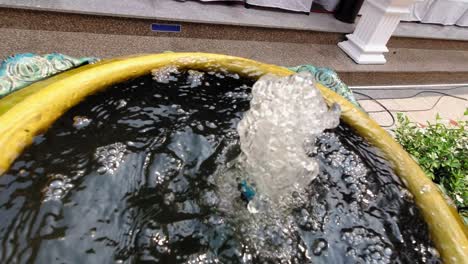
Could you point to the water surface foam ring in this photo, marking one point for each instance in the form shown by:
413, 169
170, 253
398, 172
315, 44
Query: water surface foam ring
32, 110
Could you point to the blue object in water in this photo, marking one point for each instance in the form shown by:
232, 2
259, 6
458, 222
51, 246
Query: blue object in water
247, 191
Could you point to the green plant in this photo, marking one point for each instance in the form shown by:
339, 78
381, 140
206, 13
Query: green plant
442, 152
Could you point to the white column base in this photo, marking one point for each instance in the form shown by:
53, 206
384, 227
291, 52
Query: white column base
360, 56
368, 43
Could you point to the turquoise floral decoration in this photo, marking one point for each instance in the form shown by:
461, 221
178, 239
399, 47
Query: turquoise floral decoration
21, 70
328, 78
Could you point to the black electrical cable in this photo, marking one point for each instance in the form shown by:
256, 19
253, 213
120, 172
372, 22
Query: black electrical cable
414, 110
383, 106
409, 88
389, 111
415, 95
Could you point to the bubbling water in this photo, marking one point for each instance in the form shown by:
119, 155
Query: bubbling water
110, 157
58, 187
277, 138
165, 74
147, 172
278, 133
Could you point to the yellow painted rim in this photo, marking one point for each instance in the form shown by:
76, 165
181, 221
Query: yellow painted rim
32, 110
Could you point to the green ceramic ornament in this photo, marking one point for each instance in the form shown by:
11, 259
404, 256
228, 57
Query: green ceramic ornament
328, 78
21, 70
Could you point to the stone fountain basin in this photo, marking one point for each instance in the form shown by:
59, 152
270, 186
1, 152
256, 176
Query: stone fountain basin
32, 110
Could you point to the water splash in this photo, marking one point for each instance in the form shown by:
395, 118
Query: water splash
165, 74
277, 140
195, 78
278, 133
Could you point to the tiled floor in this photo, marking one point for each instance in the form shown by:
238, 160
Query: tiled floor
280, 53
290, 54
421, 108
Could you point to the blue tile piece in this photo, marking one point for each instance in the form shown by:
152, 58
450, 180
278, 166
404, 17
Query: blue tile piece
166, 28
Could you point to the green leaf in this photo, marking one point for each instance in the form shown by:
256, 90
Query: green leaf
441, 151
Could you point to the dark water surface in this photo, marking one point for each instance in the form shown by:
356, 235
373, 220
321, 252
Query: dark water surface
128, 177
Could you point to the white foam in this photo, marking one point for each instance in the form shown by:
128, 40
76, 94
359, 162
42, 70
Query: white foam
285, 117
276, 135
195, 78
165, 74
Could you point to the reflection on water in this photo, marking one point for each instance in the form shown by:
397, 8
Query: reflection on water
133, 175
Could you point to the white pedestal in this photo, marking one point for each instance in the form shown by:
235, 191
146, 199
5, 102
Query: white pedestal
361, 56
368, 42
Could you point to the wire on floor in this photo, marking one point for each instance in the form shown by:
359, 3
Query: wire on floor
389, 111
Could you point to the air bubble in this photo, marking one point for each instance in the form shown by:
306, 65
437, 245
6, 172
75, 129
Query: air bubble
80, 122
110, 157
367, 246
319, 246
121, 104
388, 251
57, 188
211, 125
